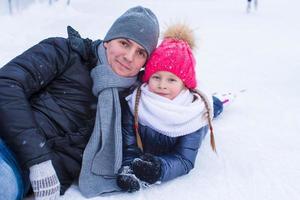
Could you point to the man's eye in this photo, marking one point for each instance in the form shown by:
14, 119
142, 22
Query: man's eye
124, 44
142, 54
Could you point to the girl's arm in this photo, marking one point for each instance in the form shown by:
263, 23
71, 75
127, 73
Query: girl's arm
183, 157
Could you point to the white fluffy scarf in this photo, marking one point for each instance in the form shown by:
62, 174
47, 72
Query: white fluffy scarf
173, 118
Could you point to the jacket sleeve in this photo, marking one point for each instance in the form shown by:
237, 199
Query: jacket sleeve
20, 79
182, 159
130, 148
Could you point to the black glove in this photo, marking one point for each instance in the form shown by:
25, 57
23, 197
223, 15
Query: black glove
147, 168
127, 181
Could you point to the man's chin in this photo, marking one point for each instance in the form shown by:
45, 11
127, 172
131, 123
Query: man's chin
123, 73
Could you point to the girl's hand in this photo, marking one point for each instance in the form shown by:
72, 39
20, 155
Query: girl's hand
147, 168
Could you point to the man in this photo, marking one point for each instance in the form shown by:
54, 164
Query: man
48, 105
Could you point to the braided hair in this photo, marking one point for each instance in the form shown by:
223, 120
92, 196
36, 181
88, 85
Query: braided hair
194, 91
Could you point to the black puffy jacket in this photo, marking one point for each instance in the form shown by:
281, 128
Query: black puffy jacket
47, 109
177, 154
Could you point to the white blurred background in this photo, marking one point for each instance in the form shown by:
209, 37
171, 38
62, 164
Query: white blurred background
258, 135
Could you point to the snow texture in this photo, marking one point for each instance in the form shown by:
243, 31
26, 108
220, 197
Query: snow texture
257, 136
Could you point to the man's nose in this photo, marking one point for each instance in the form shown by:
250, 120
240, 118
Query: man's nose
130, 55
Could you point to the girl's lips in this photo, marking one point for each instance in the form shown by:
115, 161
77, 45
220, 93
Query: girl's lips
161, 94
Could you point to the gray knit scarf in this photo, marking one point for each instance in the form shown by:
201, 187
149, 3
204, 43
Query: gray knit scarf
102, 156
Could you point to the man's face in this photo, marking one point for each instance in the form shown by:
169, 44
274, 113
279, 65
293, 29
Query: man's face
125, 56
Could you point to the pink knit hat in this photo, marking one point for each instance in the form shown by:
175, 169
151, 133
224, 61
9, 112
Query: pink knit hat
174, 55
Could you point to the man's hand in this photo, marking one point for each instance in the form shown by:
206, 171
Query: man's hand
127, 181
44, 181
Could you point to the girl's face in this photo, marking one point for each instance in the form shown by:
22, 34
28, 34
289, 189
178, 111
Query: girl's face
165, 84
125, 56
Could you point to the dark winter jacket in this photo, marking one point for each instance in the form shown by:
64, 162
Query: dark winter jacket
47, 109
177, 154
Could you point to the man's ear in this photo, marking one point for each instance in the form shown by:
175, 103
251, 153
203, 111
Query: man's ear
105, 44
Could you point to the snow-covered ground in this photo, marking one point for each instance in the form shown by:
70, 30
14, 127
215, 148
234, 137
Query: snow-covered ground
258, 135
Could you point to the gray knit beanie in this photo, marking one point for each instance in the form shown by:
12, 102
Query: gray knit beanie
138, 24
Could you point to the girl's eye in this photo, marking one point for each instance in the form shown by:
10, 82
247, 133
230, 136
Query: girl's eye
155, 77
172, 80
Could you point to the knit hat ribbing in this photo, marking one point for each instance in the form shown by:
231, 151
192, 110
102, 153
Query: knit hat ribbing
174, 55
138, 24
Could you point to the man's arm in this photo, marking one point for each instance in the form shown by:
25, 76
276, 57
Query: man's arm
24, 76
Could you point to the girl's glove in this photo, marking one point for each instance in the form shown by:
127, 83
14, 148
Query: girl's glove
147, 168
127, 181
44, 181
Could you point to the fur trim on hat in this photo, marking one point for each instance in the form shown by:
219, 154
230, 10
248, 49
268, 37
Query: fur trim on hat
181, 32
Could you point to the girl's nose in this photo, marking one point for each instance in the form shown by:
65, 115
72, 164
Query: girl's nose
162, 85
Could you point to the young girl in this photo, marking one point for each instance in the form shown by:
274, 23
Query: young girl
166, 117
